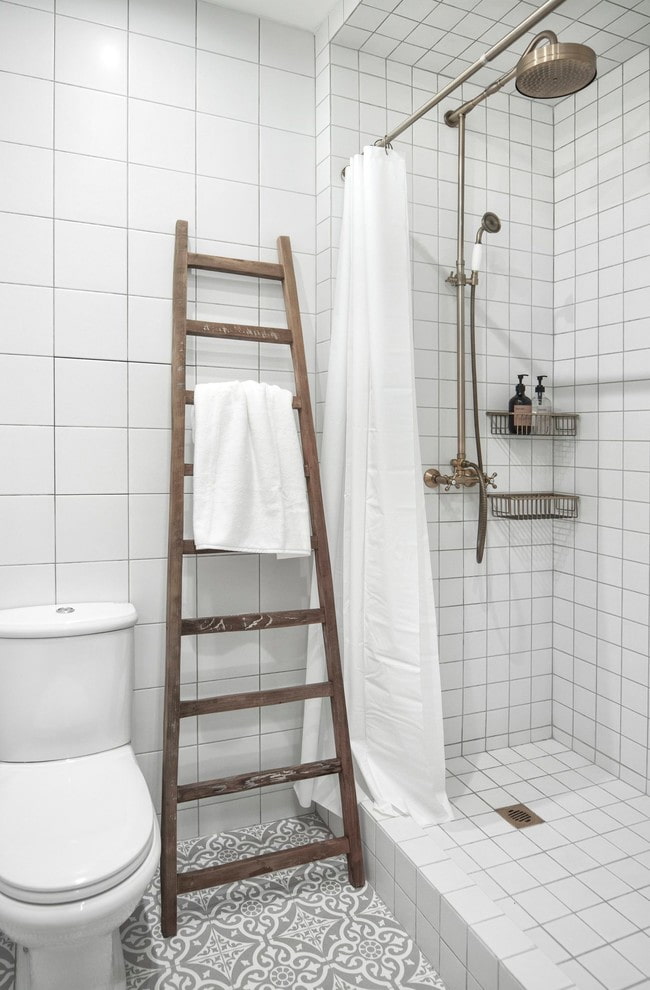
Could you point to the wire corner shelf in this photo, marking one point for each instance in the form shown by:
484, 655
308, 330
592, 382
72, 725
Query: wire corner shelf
556, 424
534, 505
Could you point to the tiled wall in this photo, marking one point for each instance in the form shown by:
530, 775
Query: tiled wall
495, 617
602, 368
116, 119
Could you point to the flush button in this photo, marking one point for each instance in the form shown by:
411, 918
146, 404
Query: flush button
65, 610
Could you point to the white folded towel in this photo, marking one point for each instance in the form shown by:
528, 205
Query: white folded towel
249, 477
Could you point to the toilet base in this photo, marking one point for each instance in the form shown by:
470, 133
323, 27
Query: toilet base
96, 964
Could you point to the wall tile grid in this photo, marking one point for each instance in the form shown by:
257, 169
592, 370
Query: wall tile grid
602, 362
116, 119
494, 618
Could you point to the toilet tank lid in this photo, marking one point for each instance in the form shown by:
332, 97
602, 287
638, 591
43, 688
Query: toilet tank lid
75, 619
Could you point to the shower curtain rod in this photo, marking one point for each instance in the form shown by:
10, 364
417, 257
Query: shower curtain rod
501, 46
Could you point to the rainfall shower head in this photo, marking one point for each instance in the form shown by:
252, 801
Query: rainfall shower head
554, 69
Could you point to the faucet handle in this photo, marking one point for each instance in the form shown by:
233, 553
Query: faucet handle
490, 480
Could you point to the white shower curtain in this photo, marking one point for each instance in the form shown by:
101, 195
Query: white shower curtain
374, 508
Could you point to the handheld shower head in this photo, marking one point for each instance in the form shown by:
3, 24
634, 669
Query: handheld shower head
555, 69
492, 225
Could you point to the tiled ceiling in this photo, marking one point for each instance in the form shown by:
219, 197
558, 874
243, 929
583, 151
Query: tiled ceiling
447, 36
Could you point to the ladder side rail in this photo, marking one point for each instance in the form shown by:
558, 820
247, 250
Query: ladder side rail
168, 862
322, 563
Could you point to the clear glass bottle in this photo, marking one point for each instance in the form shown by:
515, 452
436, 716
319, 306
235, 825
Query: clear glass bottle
542, 422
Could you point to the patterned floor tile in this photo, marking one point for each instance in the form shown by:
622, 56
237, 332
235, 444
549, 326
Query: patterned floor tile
303, 928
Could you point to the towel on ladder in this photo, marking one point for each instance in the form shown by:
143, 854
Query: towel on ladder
249, 477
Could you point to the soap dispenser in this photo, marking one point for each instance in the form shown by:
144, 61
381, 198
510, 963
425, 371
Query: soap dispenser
520, 410
542, 418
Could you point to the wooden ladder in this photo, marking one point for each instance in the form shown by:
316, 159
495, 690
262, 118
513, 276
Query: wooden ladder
172, 882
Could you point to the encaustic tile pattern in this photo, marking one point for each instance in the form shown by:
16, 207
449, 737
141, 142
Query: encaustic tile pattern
299, 928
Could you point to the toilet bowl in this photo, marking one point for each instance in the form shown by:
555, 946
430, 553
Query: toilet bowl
79, 838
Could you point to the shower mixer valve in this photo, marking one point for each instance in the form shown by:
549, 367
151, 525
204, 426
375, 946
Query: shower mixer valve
463, 475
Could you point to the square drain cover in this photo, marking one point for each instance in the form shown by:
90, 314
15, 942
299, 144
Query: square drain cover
519, 815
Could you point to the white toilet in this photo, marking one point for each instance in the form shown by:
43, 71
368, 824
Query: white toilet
79, 839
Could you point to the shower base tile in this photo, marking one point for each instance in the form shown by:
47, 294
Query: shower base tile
582, 878
299, 928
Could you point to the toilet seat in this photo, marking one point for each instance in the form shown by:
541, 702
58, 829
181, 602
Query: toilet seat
70, 829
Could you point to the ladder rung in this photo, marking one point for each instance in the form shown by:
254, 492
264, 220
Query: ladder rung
256, 866
255, 699
252, 621
189, 400
259, 778
236, 331
189, 547
235, 266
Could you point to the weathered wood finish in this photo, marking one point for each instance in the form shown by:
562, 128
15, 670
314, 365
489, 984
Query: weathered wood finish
255, 699
261, 778
173, 883
349, 808
235, 266
257, 866
168, 863
236, 331
251, 621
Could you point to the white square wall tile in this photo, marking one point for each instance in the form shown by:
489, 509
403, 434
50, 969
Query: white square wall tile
26, 41
161, 136
25, 319
227, 210
148, 588
26, 179
24, 584
227, 32
89, 256
149, 396
173, 20
287, 101
93, 581
91, 461
27, 458
27, 529
149, 461
227, 149
161, 71
90, 324
151, 257
287, 213
148, 525
227, 87
283, 47
26, 249
158, 198
89, 190
90, 393
287, 160
26, 390
89, 122
91, 527
26, 109
150, 329
90, 55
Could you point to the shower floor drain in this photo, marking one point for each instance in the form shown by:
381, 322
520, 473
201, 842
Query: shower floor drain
519, 815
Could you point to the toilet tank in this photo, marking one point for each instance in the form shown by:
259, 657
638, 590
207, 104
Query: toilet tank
66, 680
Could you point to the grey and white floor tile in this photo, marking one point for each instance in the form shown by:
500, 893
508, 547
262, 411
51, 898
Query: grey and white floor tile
299, 928
579, 884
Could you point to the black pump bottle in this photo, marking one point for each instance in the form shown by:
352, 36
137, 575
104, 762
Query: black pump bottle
520, 409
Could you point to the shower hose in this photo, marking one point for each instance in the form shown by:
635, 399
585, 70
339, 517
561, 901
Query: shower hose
478, 467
